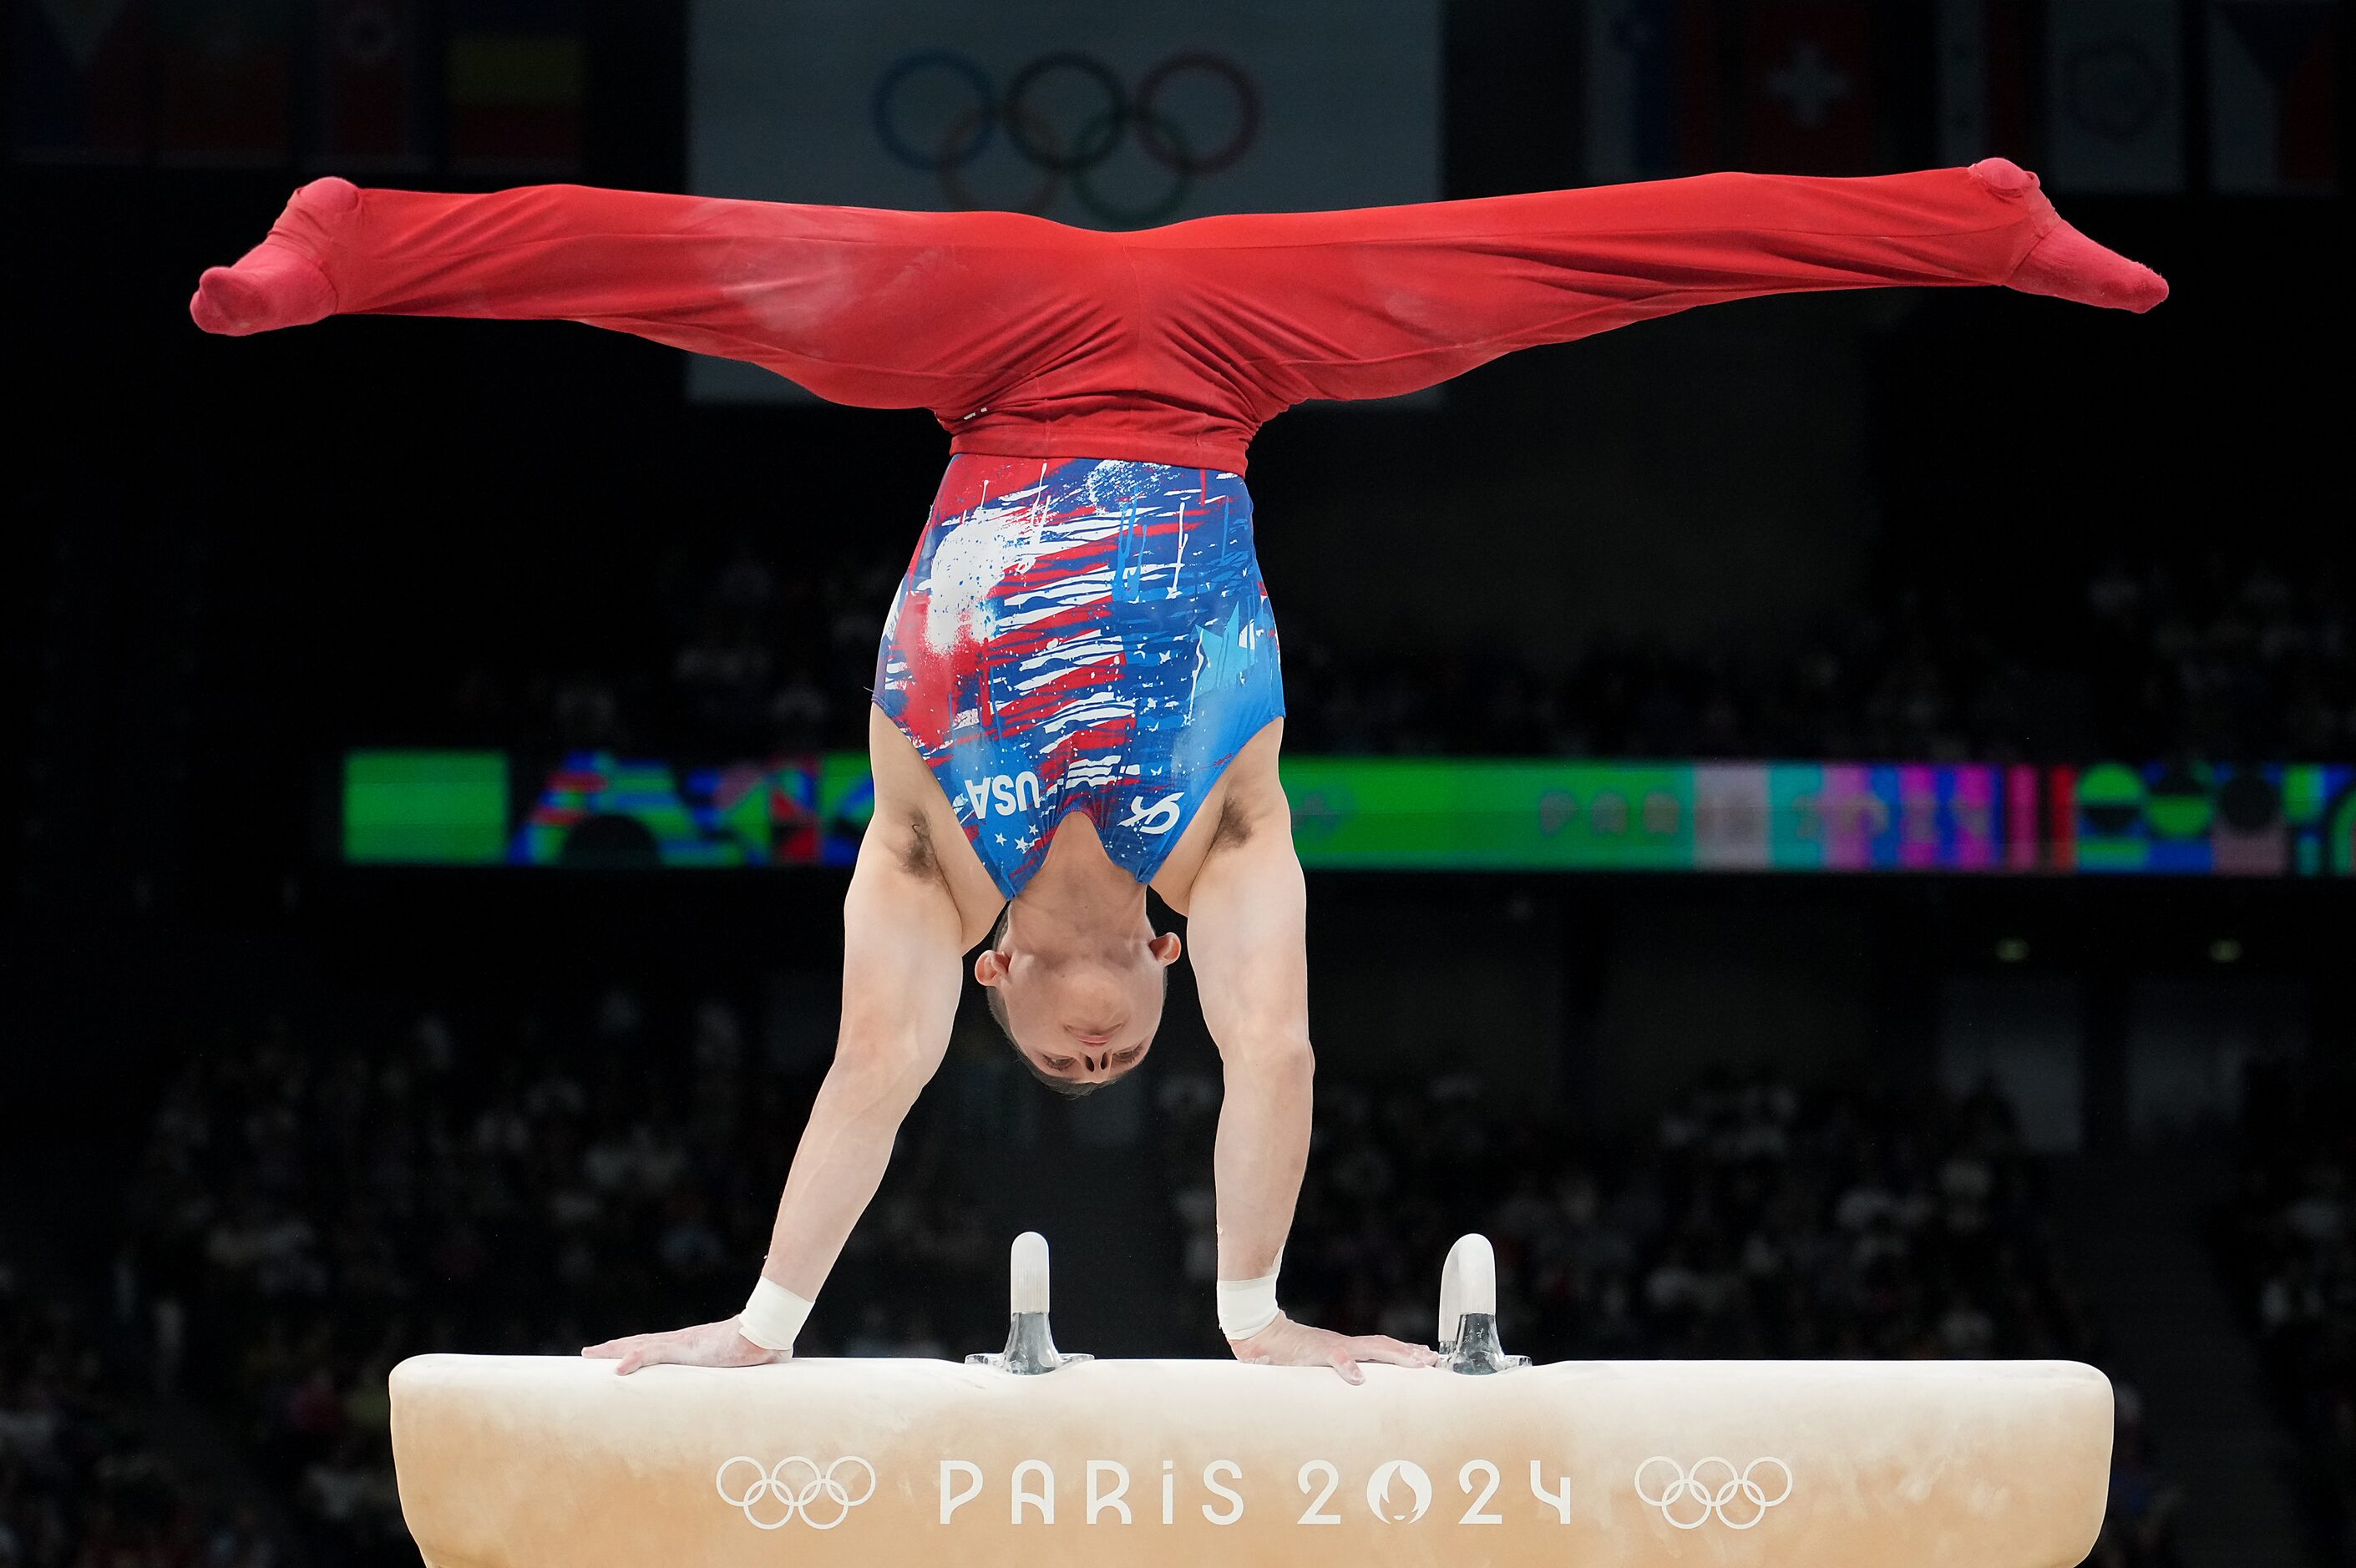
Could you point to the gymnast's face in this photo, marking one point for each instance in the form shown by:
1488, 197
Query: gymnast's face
1081, 1014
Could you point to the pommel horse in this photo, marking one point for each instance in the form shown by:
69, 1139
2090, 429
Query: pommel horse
1031, 1458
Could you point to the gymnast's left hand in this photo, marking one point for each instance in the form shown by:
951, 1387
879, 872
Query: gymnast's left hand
705, 1345
1285, 1343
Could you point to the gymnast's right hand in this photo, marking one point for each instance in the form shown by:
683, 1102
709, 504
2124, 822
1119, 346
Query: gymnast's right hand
705, 1345
1285, 1343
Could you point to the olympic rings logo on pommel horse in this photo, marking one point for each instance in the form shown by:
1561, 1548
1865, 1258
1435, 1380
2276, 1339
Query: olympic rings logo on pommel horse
1688, 1501
968, 134
798, 1498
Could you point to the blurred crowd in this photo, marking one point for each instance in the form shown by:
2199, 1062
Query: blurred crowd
314, 1207
2214, 663
315, 1202
2291, 1246
760, 655
1755, 1221
83, 1483
2212, 660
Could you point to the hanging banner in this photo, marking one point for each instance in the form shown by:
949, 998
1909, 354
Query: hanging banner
368, 79
224, 81
2273, 96
1652, 97
80, 75
2114, 96
1981, 86
1103, 116
515, 74
1807, 90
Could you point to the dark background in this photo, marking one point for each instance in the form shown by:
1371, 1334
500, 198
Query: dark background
225, 561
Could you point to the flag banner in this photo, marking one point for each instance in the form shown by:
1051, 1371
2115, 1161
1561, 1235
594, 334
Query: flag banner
1103, 116
1653, 89
367, 113
515, 74
224, 81
1807, 88
1981, 83
80, 79
2114, 96
1962, 75
2273, 96
1108, 117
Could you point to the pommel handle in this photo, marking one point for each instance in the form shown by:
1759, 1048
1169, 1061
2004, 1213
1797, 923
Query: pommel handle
1027, 1274
1468, 1282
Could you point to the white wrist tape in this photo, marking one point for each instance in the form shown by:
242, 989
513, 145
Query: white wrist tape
772, 1317
1246, 1306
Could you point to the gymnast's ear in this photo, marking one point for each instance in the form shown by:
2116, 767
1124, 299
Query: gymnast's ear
989, 967
1164, 948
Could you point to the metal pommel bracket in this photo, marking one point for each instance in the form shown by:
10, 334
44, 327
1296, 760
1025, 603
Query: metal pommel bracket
1029, 1348
1468, 1311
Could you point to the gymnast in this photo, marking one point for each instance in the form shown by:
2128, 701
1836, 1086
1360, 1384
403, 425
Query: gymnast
1077, 693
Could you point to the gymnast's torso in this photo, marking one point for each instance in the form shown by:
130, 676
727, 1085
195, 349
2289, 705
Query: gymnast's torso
1080, 636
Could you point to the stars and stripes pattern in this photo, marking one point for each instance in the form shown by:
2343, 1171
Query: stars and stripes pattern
1083, 635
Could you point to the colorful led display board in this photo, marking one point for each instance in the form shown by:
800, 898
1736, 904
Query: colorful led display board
597, 810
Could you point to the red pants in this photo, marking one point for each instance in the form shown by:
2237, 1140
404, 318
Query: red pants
1027, 338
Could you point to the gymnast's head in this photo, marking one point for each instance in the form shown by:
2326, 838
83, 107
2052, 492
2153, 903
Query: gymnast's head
1080, 1004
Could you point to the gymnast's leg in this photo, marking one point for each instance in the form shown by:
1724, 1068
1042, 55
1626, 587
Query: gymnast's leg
1379, 300
883, 309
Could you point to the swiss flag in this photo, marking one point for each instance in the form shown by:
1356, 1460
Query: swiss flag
1807, 87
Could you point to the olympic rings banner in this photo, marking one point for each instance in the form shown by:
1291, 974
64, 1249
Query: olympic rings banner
1103, 116
594, 809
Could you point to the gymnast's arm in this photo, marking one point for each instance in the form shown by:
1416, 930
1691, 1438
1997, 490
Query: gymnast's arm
1246, 925
900, 984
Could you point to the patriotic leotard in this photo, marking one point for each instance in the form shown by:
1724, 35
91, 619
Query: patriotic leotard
1084, 635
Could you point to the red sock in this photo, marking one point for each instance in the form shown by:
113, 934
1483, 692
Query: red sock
279, 282
2066, 263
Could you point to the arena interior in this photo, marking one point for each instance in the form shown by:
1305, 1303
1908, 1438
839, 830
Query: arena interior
1826, 817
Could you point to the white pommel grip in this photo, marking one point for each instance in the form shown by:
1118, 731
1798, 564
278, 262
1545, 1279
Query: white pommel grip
1468, 1282
1248, 1305
772, 1317
1026, 1273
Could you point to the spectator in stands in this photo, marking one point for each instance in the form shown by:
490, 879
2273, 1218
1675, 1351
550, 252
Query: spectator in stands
2289, 1244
